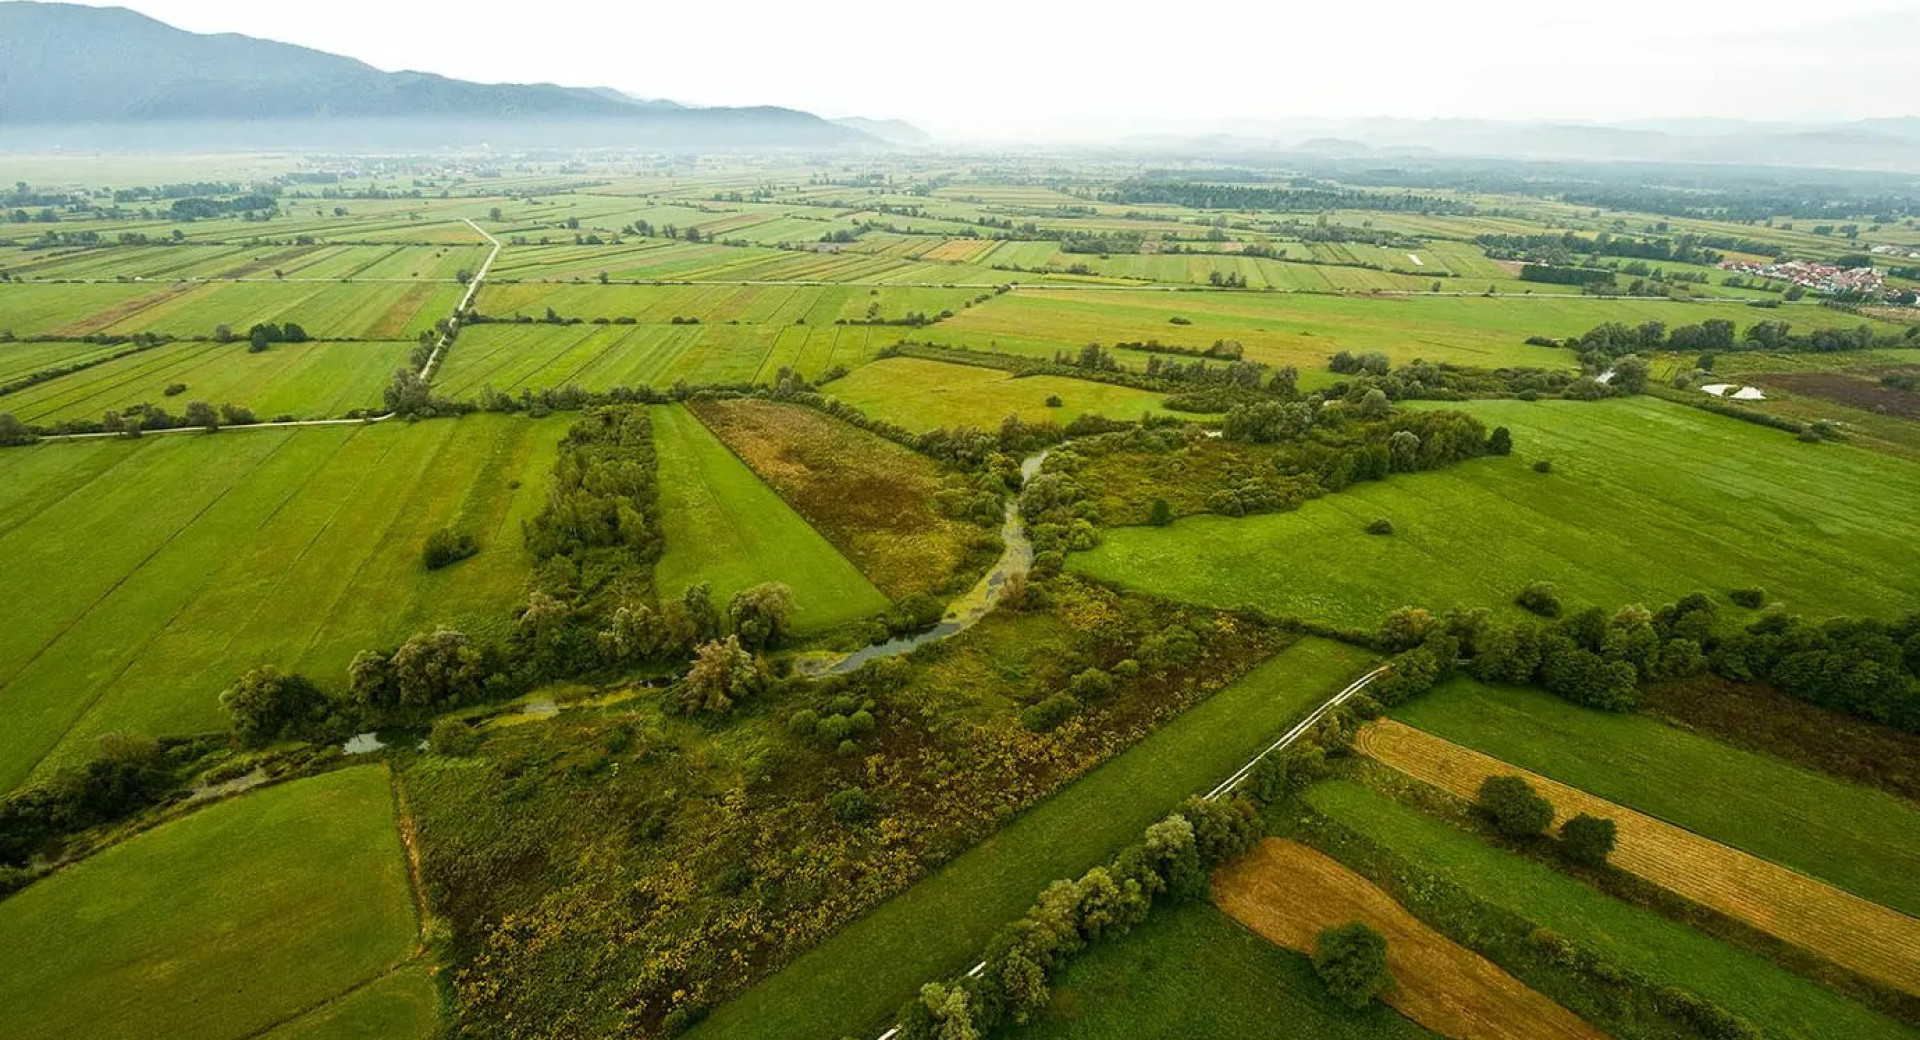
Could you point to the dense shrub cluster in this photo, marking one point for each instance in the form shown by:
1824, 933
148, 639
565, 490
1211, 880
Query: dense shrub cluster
125, 775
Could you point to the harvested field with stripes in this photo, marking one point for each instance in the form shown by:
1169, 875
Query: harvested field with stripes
1859, 935
1290, 893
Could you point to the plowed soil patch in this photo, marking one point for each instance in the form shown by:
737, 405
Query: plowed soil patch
1852, 932
1290, 893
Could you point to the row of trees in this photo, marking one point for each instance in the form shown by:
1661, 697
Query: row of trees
1171, 862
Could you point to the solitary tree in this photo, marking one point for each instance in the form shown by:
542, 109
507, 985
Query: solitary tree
1514, 806
266, 704
1587, 839
1351, 960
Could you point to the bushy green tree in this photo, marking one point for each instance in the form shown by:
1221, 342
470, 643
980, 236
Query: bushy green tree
1513, 805
1587, 839
266, 704
1351, 960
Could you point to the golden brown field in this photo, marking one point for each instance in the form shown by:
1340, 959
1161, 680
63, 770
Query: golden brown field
1852, 932
1290, 893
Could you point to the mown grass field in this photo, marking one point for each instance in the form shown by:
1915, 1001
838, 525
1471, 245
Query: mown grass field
1290, 894
1785, 1004
302, 380
1305, 330
873, 499
160, 569
1191, 971
533, 357
327, 310
723, 526
1647, 501
720, 304
77, 309
1850, 931
1856, 838
218, 925
404, 1004
928, 395
19, 360
857, 979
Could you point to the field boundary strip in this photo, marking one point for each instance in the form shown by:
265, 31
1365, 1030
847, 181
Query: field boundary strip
1855, 933
1227, 786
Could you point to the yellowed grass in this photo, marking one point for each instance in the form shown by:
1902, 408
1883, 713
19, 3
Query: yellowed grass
1855, 933
1290, 893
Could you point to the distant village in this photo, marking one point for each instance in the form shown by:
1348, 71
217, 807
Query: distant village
1811, 274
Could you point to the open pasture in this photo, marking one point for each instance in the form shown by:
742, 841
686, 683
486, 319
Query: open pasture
726, 528
1289, 894
76, 309
303, 380
873, 499
20, 360
1647, 501
1789, 1006
813, 305
514, 357
222, 924
1880, 943
162, 568
1306, 329
327, 310
258, 262
1853, 837
928, 395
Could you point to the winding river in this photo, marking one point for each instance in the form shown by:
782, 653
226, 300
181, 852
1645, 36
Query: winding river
1016, 559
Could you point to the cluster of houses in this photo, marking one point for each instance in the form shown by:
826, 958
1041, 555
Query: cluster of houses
1811, 274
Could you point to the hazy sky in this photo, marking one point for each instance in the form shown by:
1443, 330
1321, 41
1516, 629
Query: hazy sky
1000, 69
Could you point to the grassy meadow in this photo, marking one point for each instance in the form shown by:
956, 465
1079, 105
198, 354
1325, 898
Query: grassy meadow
165, 567
222, 924
511, 358
723, 526
1647, 501
928, 395
1853, 837
302, 380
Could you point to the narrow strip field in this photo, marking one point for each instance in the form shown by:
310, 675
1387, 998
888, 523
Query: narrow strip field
219, 925
162, 568
1850, 931
726, 528
857, 979
1790, 1006
1290, 893
1852, 837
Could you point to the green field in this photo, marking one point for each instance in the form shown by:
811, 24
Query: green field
514, 357
1305, 330
19, 360
928, 395
1191, 971
1856, 838
1786, 1005
303, 380
726, 528
856, 979
402, 1004
163, 568
220, 925
1647, 501
810, 305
